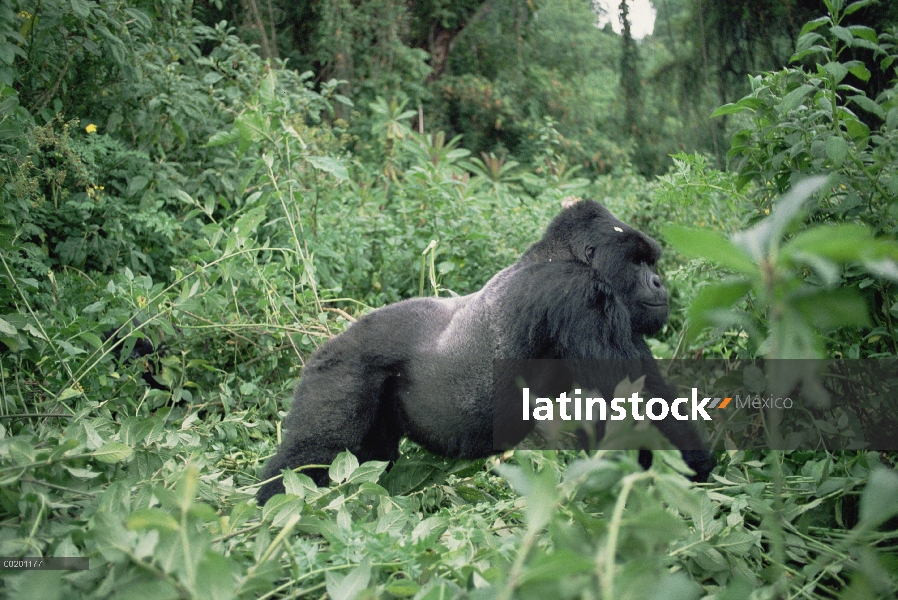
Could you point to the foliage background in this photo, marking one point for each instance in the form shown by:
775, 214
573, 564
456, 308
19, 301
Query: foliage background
222, 186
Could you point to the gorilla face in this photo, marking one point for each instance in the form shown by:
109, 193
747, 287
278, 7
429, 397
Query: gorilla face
649, 311
625, 258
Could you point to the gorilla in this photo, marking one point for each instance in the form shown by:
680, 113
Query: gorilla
143, 353
423, 367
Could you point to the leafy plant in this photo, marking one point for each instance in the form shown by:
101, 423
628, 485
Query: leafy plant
809, 120
793, 308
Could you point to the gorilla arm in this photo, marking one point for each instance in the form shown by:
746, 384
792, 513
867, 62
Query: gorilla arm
571, 313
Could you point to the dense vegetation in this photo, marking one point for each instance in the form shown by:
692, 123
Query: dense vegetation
234, 183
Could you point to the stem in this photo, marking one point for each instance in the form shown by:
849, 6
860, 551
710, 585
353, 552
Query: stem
607, 554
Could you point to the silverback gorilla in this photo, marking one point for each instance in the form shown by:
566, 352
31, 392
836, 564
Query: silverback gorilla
422, 367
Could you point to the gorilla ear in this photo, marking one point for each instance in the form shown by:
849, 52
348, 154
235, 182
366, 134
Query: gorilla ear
590, 253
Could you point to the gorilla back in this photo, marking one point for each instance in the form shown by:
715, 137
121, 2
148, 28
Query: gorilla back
422, 368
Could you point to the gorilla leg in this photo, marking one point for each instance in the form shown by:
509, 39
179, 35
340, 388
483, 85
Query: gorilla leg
338, 405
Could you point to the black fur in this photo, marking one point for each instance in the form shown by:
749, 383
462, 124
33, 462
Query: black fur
422, 368
143, 353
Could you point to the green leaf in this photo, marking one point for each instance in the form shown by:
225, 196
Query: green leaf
861, 72
113, 452
297, 483
216, 577
350, 586
793, 99
223, 138
869, 106
831, 309
343, 466
185, 489
82, 473
677, 493
81, 8
818, 49
739, 542
884, 268
115, 46
8, 105
703, 518
151, 518
279, 507
91, 338
136, 184
857, 130
714, 303
410, 475
369, 471
558, 566
402, 588
540, 488
856, 6
69, 348
248, 223
792, 336
94, 307
841, 242
251, 126
21, 452
806, 40
862, 32
842, 33
754, 379
203, 512
710, 245
836, 150
6, 328
708, 558
878, 499
838, 71
760, 240
139, 17
865, 33
239, 514
813, 25
330, 165
69, 392
728, 109
266, 90
372, 488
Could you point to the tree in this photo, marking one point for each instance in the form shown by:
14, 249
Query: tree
631, 85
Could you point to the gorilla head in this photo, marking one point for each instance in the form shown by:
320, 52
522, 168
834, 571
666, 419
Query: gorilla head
423, 368
623, 257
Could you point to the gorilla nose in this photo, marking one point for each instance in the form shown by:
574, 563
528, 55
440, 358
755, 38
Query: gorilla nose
655, 281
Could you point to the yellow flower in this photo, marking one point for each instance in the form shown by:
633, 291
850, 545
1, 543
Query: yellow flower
91, 128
